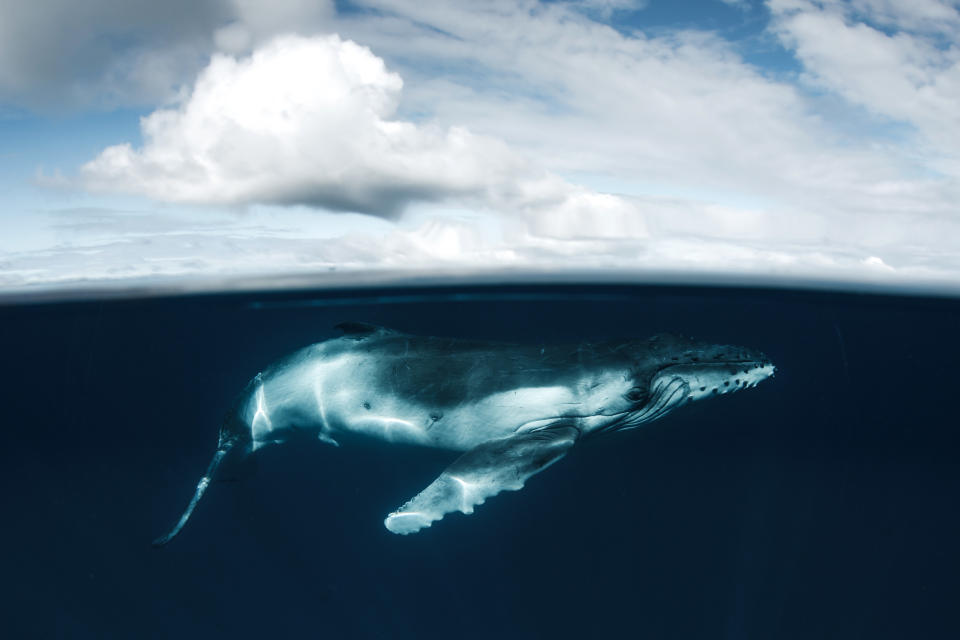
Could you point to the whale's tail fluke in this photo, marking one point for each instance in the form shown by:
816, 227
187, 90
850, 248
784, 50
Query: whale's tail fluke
201, 488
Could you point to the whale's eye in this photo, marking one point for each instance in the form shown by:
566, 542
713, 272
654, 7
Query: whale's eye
635, 395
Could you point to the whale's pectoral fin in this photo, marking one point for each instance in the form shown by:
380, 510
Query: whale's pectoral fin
483, 472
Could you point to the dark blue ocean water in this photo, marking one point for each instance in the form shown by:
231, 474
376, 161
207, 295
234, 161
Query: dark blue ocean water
822, 504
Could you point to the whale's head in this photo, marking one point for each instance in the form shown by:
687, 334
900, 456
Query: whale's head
669, 371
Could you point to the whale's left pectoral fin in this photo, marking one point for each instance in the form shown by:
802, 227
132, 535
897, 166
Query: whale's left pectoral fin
483, 472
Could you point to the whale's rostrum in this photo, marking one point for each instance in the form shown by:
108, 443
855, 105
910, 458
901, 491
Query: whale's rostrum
511, 410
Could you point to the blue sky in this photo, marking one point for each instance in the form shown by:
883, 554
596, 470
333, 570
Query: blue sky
799, 138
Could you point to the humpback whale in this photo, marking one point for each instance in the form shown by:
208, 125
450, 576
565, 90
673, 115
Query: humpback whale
511, 410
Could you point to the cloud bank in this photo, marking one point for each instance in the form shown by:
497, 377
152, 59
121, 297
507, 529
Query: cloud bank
309, 121
174, 253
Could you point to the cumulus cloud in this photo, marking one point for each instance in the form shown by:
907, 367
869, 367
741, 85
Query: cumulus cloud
309, 121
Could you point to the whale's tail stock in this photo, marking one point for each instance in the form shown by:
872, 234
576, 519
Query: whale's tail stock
201, 488
234, 445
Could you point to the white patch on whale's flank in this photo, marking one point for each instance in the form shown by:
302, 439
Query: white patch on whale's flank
526, 404
389, 428
588, 403
261, 425
321, 405
318, 394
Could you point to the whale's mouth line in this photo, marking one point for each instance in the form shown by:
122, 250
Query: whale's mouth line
749, 368
752, 362
669, 389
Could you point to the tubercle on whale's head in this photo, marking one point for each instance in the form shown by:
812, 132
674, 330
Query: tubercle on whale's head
707, 369
671, 370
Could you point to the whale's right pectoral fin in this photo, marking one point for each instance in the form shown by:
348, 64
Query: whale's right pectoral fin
483, 472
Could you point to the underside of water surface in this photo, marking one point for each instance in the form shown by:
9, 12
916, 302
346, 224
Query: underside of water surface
821, 503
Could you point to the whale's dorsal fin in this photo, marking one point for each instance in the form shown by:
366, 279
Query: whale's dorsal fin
361, 329
483, 472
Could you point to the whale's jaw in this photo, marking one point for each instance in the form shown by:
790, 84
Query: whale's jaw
675, 385
705, 380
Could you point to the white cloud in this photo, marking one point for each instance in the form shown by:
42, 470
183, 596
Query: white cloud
309, 121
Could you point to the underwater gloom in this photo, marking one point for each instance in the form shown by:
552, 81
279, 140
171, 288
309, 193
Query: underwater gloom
674, 461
